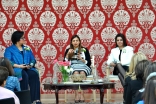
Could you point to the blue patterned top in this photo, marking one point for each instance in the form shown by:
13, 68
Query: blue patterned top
140, 102
12, 83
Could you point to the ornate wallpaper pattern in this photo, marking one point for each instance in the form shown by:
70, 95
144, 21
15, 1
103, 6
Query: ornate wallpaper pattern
49, 25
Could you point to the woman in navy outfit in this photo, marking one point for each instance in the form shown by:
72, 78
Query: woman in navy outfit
23, 62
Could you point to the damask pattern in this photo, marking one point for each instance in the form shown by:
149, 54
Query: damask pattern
49, 25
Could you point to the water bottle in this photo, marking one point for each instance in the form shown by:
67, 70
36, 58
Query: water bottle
55, 79
95, 75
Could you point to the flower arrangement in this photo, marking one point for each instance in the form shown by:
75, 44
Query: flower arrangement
64, 67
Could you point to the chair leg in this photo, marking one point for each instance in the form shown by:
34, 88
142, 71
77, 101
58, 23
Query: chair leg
94, 95
108, 95
108, 90
65, 96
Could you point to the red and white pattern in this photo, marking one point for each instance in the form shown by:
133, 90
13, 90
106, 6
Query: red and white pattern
49, 25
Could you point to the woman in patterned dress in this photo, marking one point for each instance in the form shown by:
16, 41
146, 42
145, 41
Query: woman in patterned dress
80, 61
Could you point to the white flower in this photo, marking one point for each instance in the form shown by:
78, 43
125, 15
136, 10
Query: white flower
123, 50
27, 48
66, 67
71, 69
68, 71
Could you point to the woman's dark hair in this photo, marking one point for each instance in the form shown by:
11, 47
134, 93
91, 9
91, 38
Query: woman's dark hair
6, 63
149, 94
140, 68
123, 38
72, 47
149, 69
16, 36
3, 74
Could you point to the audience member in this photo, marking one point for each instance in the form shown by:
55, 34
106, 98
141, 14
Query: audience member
12, 83
23, 62
80, 61
5, 93
136, 84
130, 75
151, 68
149, 95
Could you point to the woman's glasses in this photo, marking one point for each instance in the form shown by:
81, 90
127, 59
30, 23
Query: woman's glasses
23, 38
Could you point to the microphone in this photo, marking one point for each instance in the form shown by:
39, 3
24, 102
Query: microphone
76, 51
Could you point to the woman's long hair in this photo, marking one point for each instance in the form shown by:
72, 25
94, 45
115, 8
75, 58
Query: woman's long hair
149, 95
139, 56
149, 69
72, 47
6, 63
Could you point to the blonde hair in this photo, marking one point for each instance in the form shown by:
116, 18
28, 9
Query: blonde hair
139, 56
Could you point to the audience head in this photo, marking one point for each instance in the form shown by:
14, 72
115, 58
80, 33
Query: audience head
120, 37
6, 63
149, 69
3, 75
135, 59
140, 68
17, 36
75, 42
150, 89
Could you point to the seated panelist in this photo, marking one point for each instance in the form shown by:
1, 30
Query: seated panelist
80, 61
120, 54
23, 61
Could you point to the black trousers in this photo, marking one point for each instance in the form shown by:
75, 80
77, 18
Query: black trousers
30, 80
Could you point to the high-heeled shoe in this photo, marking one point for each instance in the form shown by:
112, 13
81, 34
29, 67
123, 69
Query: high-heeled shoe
77, 101
82, 101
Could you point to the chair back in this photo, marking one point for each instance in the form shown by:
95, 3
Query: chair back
7, 101
24, 96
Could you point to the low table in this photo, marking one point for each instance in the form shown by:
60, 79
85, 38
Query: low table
76, 86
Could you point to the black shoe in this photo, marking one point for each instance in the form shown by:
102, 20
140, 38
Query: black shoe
82, 101
38, 103
77, 101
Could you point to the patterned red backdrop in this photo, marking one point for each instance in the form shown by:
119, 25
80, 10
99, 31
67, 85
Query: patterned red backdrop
49, 25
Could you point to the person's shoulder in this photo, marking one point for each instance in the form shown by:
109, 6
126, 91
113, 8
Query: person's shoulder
84, 48
9, 47
7, 91
67, 49
115, 49
127, 78
11, 79
129, 47
140, 102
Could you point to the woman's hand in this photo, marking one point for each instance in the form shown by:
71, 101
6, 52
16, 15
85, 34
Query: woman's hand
79, 57
28, 66
70, 51
22, 66
112, 64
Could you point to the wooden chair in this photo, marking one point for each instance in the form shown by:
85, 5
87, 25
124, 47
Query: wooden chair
7, 101
110, 78
90, 77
